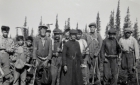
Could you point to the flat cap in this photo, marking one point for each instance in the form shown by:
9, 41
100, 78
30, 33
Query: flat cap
57, 31
19, 38
92, 24
67, 29
29, 38
5, 28
112, 31
42, 26
128, 30
48, 30
73, 31
79, 31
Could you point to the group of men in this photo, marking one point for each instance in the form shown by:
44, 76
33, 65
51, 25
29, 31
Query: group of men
69, 58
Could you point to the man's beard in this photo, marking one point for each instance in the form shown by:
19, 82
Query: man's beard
42, 35
57, 38
5, 36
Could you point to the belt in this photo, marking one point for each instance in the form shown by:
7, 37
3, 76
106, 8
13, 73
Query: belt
128, 51
112, 56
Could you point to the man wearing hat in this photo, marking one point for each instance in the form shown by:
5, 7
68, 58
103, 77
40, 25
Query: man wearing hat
42, 50
130, 53
71, 62
85, 55
56, 57
6, 48
94, 42
110, 53
66, 36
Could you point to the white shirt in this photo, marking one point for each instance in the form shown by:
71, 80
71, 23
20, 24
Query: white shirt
132, 43
83, 45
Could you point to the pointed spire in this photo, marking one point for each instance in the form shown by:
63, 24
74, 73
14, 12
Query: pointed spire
32, 32
16, 32
128, 10
56, 25
65, 25
68, 23
25, 23
40, 21
86, 31
77, 26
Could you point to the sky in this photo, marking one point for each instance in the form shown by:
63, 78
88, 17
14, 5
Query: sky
13, 12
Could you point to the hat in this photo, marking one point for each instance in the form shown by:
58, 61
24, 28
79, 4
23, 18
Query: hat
42, 26
19, 64
57, 31
29, 38
48, 30
19, 38
112, 31
79, 31
92, 24
73, 31
5, 28
128, 30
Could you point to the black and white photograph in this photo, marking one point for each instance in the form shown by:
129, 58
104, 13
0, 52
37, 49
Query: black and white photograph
69, 42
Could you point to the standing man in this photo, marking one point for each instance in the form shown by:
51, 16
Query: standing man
6, 47
85, 56
94, 41
56, 57
66, 37
130, 53
42, 51
110, 52
72, 60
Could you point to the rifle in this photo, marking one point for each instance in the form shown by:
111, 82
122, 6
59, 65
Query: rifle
135, 68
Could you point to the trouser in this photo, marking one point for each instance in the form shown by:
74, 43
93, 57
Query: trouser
5, 65
38, 73
20, 74
95, 70
110, 70
128, 60
56, 64
85, 70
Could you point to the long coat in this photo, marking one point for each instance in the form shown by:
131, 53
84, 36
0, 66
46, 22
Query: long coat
71, 57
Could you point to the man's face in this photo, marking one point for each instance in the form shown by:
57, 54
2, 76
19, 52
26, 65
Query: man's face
20, 42
79, 35
127, 34
111, 36
67, 34
92, 29
73, 36
29, 43
48, 34
5, 34
57, 36
43, 32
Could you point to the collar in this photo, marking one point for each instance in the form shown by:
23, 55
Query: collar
45, 38
4, 37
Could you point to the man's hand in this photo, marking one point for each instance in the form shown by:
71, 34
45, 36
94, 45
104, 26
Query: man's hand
105, 61
56, 54
137, 62
65, 68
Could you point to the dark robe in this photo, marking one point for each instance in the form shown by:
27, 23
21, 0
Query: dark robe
71, 57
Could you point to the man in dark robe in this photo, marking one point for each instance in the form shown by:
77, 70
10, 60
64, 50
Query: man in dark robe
71, 60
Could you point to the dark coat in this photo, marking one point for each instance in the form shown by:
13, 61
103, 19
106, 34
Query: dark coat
71, 57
